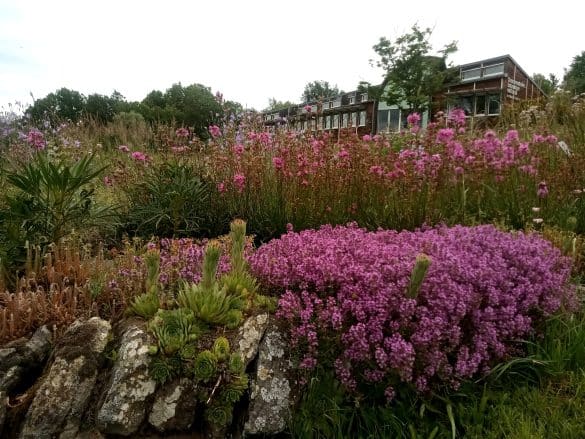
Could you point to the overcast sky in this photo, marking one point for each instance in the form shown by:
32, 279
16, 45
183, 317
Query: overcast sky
252, 50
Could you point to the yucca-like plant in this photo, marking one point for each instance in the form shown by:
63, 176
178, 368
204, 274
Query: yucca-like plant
213, 306
205, 366
145, 305
210, 262
233, 391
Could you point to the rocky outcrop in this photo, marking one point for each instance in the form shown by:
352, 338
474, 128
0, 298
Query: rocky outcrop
249, 336
62, 397
3, 402
174, 406
270, 396
22, 357
124, 407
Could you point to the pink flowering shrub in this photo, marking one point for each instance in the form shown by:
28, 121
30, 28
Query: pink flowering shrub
344, 298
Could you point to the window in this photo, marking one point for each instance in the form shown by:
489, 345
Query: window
364, 97
362, 119
493, 70
351, 100
493, 104
383, 120
335, 122
344, 119
466, 104
394, 120
336, 103
327, 122
480, 105
471, 74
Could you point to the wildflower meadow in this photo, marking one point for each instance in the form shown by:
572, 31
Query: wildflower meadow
428, 281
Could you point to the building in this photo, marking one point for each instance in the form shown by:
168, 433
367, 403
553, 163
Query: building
350, 112
482, 90
485, 87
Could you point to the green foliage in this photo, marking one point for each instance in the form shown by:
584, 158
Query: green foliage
210, 262
163, 369
213, 306
63, 104
205, 366
219, 414
221, 348
53, 198
274, 105
574, 80
144, 305
319, 90
412, 75
234, 390
418, 275
194, 106
548, 84
236, 365
175, 329
265, 303
171, 200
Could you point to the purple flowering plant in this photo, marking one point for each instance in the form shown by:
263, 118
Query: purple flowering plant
347, 298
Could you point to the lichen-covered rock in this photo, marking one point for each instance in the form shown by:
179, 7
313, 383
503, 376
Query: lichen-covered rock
249, 336
20, 357
270, 397
62, 397
124, 407
174, 406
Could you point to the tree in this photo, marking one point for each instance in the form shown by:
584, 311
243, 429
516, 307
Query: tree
56, 107
100, 107
274, 105
574, 80
412, 74
547, 85
319, 90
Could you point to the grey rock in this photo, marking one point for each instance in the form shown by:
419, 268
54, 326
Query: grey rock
270, 397
124, 407
20, 357
249, 336
64, 393
174, 406
3, 402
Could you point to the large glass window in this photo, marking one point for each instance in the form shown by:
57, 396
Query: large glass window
394, 120
383, 120
362, 118
493, 104
480, 105
471, 74
466, 104
335, 123
493, 70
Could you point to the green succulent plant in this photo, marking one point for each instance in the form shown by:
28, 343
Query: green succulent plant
236, 365
205, 366
213, 306
174, 329
265, 303
233, 391
145, 305
221, 348
161, 370
219, 414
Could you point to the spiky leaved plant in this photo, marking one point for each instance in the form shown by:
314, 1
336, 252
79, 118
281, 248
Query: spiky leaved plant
205, 366
221, 348
418, 275
148, 303
238, 281
174, 329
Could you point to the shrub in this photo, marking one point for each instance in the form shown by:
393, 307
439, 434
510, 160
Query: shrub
345, 298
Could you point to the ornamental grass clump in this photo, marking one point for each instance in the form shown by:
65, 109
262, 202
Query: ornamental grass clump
429, 308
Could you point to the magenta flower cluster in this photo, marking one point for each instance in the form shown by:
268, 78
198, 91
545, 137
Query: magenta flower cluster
344, 296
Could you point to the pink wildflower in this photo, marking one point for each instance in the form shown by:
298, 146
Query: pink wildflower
413, 119
542, 191
139, 156
182, 132
278, 162
239, 182
123, 148
37, 139
215, 131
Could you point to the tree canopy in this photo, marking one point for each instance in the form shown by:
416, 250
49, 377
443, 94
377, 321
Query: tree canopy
547, 84
574, 80
412, 74
318, 90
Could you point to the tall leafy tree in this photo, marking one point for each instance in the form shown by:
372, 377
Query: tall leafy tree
274, 104
63, 104
547, 84
574, 80
412, 73
318, 90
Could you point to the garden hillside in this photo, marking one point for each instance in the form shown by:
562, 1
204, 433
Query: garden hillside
156, 279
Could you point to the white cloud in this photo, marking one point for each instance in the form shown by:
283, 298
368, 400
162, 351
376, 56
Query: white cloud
254, 50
